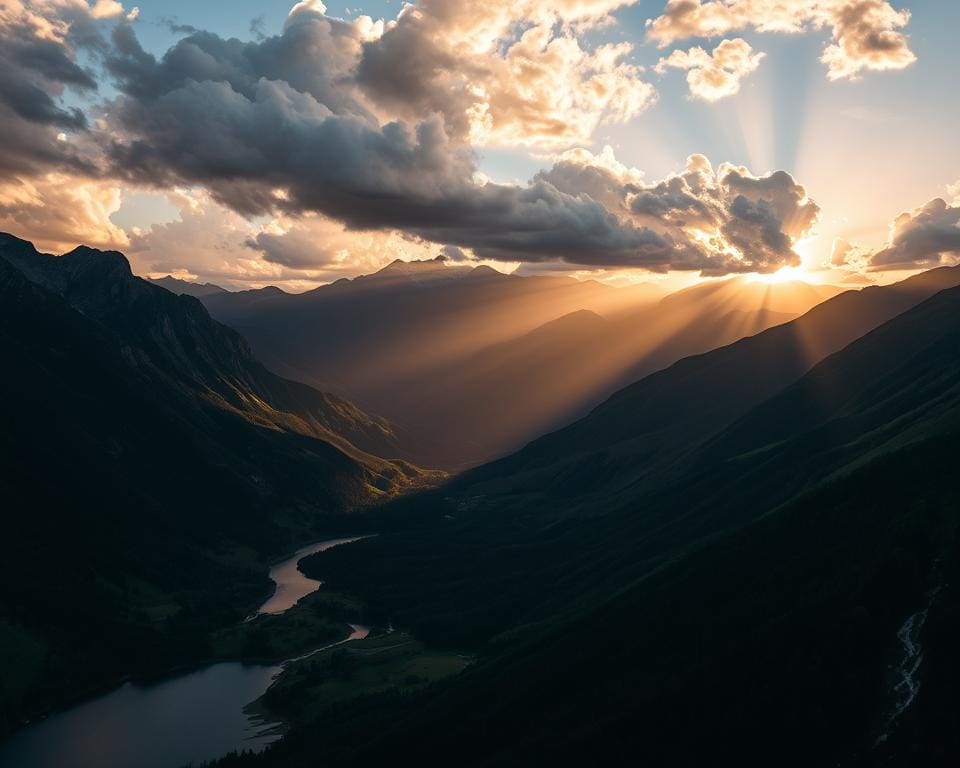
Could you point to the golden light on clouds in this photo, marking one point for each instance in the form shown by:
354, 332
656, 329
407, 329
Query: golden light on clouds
333, 146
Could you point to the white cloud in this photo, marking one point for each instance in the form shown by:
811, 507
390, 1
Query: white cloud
515, 73
865, 34
59, 211
716, 75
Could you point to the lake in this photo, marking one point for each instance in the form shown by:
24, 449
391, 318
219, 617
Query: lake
195, 716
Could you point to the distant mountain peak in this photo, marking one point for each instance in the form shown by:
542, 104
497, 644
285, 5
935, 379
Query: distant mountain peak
416, 265
578, 317
175, 285
422, 270
485, 272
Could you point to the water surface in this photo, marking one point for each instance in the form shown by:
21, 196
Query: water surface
189, 718
194, 717
292, 585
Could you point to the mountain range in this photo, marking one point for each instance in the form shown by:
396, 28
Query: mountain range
747, 555
746, 601
186, 287
472, 363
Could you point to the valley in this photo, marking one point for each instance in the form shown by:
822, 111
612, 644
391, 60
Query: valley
479, 385
431, 591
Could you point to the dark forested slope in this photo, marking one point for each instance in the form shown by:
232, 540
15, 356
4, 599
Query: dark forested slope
755, 611
149, 468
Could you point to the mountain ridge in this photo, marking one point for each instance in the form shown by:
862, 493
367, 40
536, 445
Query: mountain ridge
197, 290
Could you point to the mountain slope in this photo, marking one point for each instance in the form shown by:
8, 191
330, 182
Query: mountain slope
641, 431
774, 641
611, 497
772, 645
896, 385
150, 469
172, 337
753, 613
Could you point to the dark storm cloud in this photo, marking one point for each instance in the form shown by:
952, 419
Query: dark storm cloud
754, 227
35, 73
672, 199
760, 218
313, 56
31, 102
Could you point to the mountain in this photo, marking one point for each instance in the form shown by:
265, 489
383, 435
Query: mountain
616, 493
372, 330
150, 469
642, 429
725, 653
382, 339
186, 288
790, 596
699, 319
474, 363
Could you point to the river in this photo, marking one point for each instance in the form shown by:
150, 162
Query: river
291, 584
189, 718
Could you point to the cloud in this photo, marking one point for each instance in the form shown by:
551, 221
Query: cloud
289, 130
265, 132
504, 73
865, 34
923, 238
316, 243
718, 221
210, 242
752, 221
50, 185
266, 136
39, 42
846, 255
172, 23
599, 176
258, 27
59, 211
456, 255
953, 192
716, 75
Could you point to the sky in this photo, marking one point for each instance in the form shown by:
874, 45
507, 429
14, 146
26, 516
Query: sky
252, 143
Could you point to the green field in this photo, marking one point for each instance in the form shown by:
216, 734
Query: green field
388, 662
